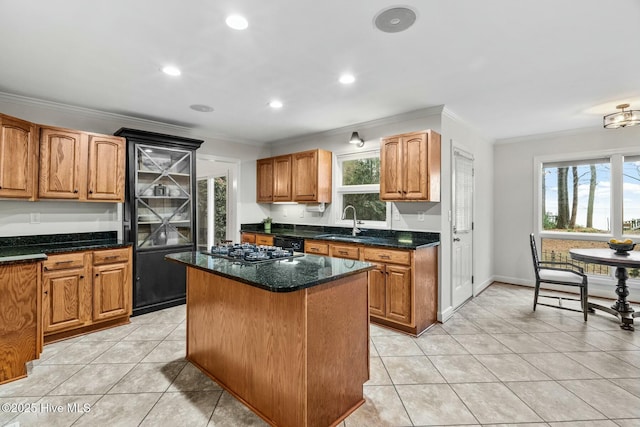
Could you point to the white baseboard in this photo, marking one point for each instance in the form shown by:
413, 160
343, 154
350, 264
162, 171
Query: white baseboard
477, 288
443, 316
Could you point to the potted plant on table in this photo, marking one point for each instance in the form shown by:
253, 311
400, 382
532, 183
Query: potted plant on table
267, 224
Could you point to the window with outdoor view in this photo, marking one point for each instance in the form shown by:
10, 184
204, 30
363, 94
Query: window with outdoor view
359, 186
584, 203
576, 196
631, 195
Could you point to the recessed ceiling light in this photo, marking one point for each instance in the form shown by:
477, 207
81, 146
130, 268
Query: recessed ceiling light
237, 22
171, 70
275, 104
201, 108
347, 79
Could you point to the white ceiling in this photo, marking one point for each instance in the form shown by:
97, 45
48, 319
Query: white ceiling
507, 67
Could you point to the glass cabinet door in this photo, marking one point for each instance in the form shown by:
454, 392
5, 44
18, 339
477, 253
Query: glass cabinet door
163, 196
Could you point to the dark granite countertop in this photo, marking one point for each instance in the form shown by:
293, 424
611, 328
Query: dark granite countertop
368, 237
275, 276
35, 248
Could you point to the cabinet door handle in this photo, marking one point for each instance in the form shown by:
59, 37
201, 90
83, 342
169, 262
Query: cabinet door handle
343, 252
383, 256
64, 262
111, 257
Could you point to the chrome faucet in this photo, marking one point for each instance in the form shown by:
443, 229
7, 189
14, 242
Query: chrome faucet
355, 220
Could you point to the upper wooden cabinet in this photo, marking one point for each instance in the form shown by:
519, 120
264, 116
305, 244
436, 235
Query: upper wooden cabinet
311, 176
18, 158
81, 166
410, 167
303, 177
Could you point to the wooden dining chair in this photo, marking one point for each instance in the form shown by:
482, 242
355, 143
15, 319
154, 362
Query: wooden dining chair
559, 273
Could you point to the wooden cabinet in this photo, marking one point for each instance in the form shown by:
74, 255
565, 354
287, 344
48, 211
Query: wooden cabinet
303, 177
111, 284
311, 176
84, 290
410, 167
316, 247
257, 239
264, 180
81, 166
106, 168
66, 292
282, 179
391, 286
18, 158
20, 318
403, 288
262, 239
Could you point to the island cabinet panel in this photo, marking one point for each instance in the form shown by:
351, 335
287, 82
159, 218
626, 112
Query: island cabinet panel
60, 164
18, 158
295, 358
20, 318
410, 167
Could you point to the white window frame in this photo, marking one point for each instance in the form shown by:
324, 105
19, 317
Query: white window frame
340, 190
616, 159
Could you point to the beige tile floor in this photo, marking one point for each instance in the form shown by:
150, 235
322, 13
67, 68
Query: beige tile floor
494, 362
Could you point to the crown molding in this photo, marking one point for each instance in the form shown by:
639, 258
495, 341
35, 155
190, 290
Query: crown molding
456, 118
545, 135
127, 121
409, 115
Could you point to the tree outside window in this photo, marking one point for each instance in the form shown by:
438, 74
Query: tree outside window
360, 186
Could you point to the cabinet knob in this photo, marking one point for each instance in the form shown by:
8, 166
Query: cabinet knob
97, 275
82, 277
75, 191
90, 191
46, 292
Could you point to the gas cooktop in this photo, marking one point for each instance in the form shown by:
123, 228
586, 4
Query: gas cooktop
249, 253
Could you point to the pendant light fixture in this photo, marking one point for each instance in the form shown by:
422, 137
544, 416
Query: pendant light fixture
622, 118
356, 140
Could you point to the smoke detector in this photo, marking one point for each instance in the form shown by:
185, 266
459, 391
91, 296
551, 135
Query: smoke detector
394, 19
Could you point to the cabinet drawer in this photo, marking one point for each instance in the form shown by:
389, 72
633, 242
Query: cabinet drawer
317, 248
261, 239
248, 238
64, 261
110, 256
387, 256
341, 251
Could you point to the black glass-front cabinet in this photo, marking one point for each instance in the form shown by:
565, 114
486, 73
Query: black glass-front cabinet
159, 214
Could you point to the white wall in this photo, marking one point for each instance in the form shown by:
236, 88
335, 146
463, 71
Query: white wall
458, 134
65, 217
514, 191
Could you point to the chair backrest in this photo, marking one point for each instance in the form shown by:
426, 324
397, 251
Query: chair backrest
534, 255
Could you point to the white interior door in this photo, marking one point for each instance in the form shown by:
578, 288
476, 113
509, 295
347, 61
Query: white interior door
462, 228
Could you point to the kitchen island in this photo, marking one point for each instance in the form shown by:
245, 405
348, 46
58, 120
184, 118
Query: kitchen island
289, 338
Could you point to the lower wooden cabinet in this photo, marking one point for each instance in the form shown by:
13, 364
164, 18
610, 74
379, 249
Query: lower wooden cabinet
257, 239
83, 290
403, 288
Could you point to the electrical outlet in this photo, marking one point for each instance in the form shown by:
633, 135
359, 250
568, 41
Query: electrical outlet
396, 213
421, 216
284, 212
34, 218
301, 212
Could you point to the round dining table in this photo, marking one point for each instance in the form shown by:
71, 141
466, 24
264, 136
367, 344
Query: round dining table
622, 309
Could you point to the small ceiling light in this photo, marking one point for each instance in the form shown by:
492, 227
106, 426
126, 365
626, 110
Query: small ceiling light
275, 104
201, 108
237, 22
356, 140
347, 79
171, 70
622, 118
395, 19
